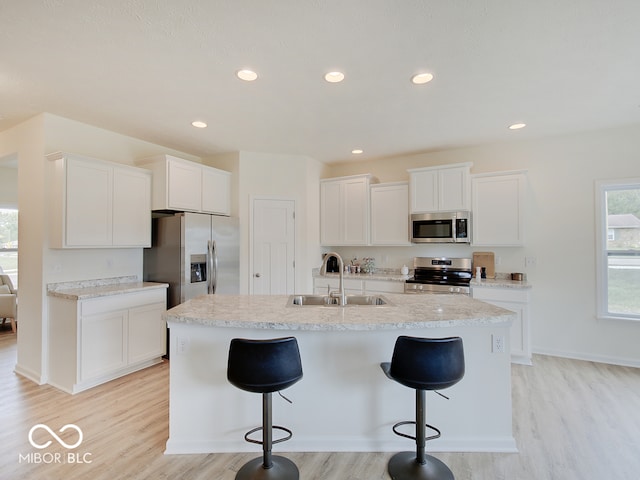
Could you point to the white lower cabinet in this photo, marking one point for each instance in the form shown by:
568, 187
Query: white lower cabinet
356, 286
95, 340
517, 300
383, 286
102, 344
321, 285
146, 340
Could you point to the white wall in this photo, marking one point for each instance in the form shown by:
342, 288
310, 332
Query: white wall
66, 135
562, 171
283, 176
8, 186
26, 142
38, 265
293, 177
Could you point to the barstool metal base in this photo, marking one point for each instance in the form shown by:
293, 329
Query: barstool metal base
405, 466
281, 469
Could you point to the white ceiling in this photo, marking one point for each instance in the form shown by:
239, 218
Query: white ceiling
148, 68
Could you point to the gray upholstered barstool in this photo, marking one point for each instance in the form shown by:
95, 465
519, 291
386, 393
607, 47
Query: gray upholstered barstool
265, 366
423, 364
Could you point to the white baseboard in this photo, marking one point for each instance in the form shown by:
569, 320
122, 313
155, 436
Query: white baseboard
589, 357
357, 444
29, 374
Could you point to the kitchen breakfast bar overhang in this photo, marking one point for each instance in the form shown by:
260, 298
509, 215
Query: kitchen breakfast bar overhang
344, 402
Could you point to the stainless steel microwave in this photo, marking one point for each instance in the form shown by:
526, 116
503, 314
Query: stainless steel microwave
441, 227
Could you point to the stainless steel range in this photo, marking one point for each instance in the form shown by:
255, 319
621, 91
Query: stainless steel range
440, 275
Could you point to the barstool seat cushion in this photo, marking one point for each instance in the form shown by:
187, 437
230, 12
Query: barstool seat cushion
264, 366
426, 363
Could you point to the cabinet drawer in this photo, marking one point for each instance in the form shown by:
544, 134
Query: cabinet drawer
501, 294
334, 284
125, 301
383, 286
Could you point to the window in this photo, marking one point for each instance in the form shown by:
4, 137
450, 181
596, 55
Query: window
9, 244
618, 249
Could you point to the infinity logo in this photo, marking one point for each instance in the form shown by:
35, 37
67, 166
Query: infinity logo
58, 439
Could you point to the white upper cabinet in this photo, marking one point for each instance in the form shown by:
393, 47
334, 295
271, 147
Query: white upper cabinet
216, 191
390, 214
182, 189
88, 196
498, 202
424, 191
182, 185
131, 207
345, 210
98, 204
440, 189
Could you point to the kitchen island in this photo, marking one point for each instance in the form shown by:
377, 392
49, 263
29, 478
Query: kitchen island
344, 402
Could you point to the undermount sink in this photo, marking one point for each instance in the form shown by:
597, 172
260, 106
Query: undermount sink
329, 301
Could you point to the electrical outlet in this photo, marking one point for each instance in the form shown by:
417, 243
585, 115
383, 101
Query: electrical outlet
182, 345
497, 343
530, 261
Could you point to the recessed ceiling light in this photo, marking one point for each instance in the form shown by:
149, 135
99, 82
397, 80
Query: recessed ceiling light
357, 151
421, 78
199, 124
517, 126
247, 75
334, 77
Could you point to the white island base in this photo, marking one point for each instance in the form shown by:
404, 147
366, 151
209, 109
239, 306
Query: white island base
344, 402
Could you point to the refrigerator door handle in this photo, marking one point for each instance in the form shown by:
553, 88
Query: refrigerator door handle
209, 266
213, 267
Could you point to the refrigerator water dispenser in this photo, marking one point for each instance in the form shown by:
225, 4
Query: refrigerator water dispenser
198, 268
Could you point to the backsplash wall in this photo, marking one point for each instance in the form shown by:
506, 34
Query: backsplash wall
507, 259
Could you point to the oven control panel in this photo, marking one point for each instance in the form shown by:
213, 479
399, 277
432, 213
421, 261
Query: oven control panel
428, 288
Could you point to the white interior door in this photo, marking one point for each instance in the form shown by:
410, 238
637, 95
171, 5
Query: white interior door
273, 247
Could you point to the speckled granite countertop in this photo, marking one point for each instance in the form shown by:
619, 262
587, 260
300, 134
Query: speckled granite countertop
273, 312
502, 280
84, 289
389, 275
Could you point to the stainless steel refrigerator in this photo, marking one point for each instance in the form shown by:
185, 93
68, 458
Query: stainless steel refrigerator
195, 254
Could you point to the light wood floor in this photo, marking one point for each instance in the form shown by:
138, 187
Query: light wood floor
572, 420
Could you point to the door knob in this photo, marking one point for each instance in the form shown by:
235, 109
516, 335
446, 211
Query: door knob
257, 275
